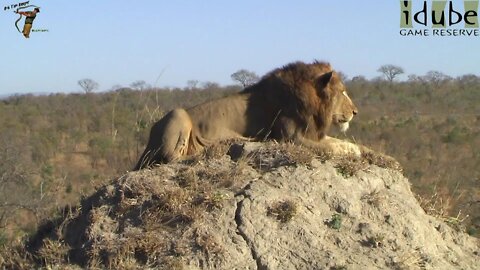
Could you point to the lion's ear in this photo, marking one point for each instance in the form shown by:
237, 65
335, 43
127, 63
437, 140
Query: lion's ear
322, 81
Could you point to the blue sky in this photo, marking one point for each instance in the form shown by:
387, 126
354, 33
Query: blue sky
118, 42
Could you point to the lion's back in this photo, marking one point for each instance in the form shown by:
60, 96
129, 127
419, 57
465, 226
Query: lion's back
220, 118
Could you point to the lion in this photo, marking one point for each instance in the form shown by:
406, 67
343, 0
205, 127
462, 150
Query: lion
295, 103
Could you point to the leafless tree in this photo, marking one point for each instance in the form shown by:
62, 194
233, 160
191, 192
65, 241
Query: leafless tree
192, 84
88, 85
390, 71
436, 77
139, 85
468, 79
414, 78
359, 78
210, 85
343, 76
245, 77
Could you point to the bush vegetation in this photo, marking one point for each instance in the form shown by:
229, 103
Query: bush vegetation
57, 148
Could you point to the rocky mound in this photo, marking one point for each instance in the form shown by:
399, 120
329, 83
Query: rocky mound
263, 206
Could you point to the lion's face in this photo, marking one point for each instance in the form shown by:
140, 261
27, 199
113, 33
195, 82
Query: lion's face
343, 107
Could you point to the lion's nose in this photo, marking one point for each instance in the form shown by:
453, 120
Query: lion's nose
355, 112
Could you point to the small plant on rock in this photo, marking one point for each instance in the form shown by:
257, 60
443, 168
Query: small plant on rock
335, 222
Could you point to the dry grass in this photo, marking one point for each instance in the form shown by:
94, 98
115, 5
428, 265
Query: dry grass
147, 219
375, 198
411, 260
53, 252
15, 258
214, 151
439, 206
349, 166
283, 211
380, 160
207, 243
269, 155
374, 241
172, 263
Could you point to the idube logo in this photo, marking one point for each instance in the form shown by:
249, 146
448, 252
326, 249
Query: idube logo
439, 18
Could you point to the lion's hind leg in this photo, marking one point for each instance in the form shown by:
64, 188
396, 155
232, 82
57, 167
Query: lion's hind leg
169, 139
176, 135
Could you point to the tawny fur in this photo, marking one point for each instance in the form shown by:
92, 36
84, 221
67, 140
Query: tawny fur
297, 103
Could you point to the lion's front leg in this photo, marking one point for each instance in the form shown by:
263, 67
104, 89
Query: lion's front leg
332, 146
342, 147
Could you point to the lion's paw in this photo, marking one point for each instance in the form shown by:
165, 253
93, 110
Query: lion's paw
346, 148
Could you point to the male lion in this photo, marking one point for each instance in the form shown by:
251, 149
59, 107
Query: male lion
296, 103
